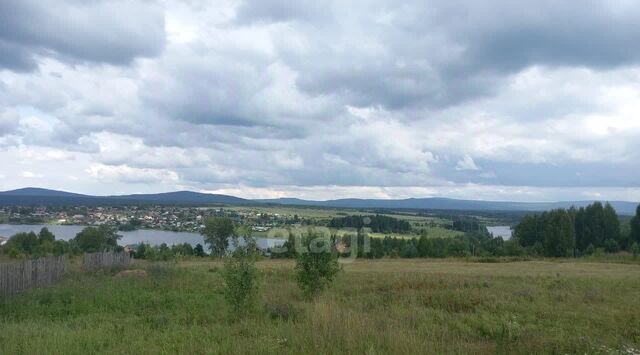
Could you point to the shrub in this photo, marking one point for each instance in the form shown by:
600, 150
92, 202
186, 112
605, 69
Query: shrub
278, 310
317, 266
590, 250
611, 246
409, 251
635, 249
241, 278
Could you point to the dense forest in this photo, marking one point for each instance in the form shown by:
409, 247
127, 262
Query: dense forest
377, 223
575, 232
468, 224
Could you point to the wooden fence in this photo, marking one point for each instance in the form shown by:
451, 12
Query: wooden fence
95, 261
16, 277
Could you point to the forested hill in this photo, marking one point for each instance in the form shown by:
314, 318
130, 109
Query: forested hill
36, 196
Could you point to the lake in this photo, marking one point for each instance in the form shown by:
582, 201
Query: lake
501, 231
153, 237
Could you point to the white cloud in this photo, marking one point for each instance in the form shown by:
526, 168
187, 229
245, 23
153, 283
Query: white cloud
31, 175
126, 174
466, 163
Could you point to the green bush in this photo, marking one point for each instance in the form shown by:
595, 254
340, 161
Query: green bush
317, 266
241, 278
409, 251
590, 250
635, 249
611, 246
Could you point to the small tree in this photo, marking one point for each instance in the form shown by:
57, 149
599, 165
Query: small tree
46, 236
241, 276
611, 246
635, 249
559, 234
317, 266
635, 227
409, 251
22, 243
217, 232
423, 245
96, 239
199, 250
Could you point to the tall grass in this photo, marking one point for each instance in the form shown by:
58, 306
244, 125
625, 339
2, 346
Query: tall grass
375, 307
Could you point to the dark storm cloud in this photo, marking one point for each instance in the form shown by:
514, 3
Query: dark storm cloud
442, 53
98, 31
15, 57
595, 34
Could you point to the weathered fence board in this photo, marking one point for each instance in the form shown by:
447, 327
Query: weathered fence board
16, 277
96, 261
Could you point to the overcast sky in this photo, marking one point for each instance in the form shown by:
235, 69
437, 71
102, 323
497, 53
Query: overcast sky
496, 100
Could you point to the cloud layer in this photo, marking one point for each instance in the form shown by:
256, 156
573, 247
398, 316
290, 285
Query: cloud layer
527, 101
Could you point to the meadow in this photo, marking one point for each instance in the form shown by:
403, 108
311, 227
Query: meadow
449, 306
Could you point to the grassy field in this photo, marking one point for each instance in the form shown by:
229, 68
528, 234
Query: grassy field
375, 307
432, 232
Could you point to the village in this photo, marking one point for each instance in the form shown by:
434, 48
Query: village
170, 218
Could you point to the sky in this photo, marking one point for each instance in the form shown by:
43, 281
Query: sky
493, 100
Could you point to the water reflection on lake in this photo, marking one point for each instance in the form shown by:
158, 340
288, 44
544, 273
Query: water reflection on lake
501, 231
153, 237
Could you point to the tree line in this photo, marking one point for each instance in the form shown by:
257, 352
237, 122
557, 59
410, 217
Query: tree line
43, 243
577, 231
377, 223
480, 244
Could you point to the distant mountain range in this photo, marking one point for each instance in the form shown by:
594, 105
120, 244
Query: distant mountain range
37, 196
438, 203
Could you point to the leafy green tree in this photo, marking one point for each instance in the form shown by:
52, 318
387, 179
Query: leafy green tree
141, 250
635, 249
559, 234
377, 248
199, 250
217, 232
409, 251
23, 243
96, 239
590, 250
316, 266
611, 224
184, 249
60, 247
241, 276
512, 247
611, 246
594, 229
458, 246
46, 236
635, 227
423, 246
164, 252
530, 230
